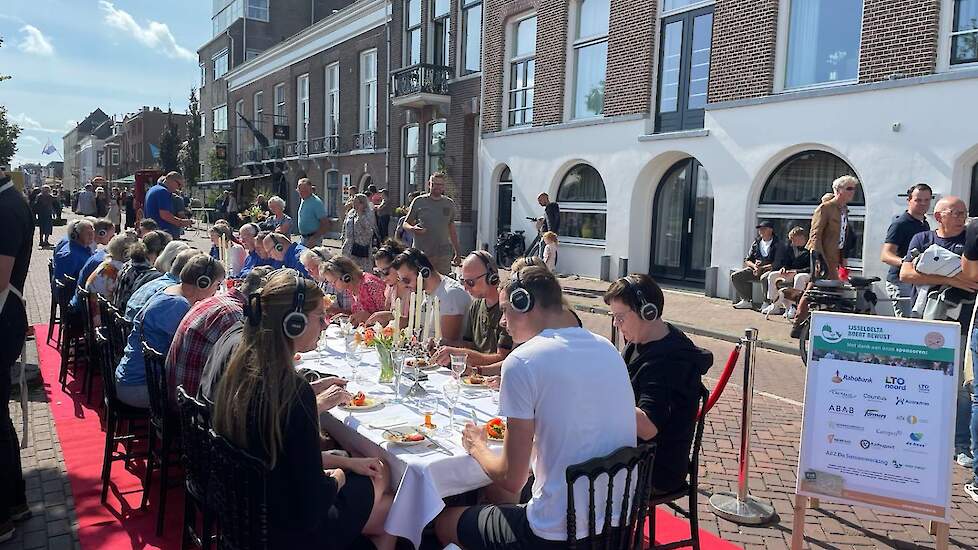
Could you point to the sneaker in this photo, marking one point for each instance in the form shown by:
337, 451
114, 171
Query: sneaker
20, 512
791, 313
7, 531
776, 310
743, 304
964, 460
970, 488
766, 310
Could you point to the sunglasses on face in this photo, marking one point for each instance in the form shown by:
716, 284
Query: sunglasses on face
406, 280
472, 282
850, 188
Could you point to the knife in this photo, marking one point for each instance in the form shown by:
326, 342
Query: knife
438, 445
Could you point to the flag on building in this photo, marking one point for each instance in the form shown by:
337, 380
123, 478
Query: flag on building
260, 137
48, 149
154, 150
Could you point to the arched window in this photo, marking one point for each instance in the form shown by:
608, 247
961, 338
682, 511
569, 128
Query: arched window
504, 202
583, 205
796, 187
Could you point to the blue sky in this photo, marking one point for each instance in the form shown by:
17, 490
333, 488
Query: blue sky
68, 57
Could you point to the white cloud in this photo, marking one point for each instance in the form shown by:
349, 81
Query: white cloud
70, 123
154, 35
35, 42
28, 123
30, 139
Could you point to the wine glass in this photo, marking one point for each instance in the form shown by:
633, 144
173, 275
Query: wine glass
399, 357
353, 356
452, 390
428, 406
321, 347
458, 365
346, 327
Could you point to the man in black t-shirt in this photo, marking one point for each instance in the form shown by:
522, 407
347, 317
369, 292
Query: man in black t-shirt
551, 215
895, 246
17, 228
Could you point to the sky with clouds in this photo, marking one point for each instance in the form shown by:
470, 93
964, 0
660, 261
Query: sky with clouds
69, 57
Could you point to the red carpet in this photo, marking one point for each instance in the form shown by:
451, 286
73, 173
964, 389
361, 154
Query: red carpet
119, 523
669, 528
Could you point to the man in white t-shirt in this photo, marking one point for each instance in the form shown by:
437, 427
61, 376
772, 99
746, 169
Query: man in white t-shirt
567, 398
453, 300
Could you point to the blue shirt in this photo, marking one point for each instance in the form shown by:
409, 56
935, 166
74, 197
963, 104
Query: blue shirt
70, 260
292, 259
311, 210
158, 199
91, 264
146, 292
156, 323
252, 260
61, 244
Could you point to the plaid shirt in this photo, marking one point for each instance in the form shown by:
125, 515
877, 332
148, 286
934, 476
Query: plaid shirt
200, 329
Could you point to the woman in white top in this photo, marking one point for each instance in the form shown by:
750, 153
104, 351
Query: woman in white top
279, 221
235, 253
115, 209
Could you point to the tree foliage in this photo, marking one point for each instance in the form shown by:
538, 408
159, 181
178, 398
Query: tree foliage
9, 132
169, 144
219, 166
190, 150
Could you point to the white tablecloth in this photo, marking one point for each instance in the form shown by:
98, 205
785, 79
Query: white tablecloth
422, 475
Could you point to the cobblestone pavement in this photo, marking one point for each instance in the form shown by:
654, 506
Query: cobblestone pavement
779, 386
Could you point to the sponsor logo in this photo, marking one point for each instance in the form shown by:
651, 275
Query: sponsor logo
905, 401
904, 466
863, 379
934, 340
874, 397
923, 388
842, 409
849, 456
917, 436
916, 440
874, 413
836, 379
895, 383
835, 440
830, 335
841, 426
810, 475
842, 393
891, 433
867, 444
912, 419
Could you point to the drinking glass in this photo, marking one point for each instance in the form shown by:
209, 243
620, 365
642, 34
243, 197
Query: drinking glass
321, 348
399, 358
428, 406
353, 356
346, 327
458, 365
452, 390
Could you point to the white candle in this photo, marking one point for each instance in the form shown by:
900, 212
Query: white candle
428, 311
436, 317
420, 303
410, 325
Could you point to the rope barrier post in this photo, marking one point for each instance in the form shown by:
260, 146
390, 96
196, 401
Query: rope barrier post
741, 507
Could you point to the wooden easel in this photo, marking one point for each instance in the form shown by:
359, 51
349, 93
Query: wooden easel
939, 529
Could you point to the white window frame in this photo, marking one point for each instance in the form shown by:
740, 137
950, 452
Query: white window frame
446, 19
115, 156
259, 9
460, 60
510, 60
203, 75
258, 108
227, 63
693, 6
429, 157
239, 135
405, 159
368, 92
574, 44
302, 108
781, 54
331, 107
584, 208
216, 118
279, 107
203, 124
410, 29
944, 41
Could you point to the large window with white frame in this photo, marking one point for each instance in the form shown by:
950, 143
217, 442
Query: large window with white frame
302, 108
410, 145
203, 75
441, 12
470, 49
203, 125
259, 109
332, 100
822, 43
964, 32
220, 64
437, 130
412, 32
583, 205
239, 130
219, 118
685, 41
368, 91
280, 116
589, 57
522, 65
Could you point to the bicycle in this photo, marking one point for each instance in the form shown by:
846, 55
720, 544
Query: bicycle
536, 247
854, 296
510, 245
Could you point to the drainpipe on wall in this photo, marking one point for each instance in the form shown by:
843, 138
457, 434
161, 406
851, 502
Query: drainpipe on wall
390, 102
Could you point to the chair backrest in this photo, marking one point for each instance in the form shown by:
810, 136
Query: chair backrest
65, 289
694, 459
238, 491
121, 328
636, 463
86, 313
107, 363
156, 385
194, 427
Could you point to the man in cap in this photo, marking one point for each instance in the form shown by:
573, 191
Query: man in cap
759, 260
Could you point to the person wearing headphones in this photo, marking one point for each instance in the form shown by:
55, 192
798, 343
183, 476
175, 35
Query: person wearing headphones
248, 236
235, 253
156, 324
485, 342
666, 370
566, 398
383, 258
365, 290
264, 406
453, 299
285, 253
139, 269
145, 293
70, 259
104, 232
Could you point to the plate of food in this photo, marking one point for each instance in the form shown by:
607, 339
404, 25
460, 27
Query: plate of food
421, 363
496, 430
405, 436
362, 402
474, 380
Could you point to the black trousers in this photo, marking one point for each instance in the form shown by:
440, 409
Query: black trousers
13, 330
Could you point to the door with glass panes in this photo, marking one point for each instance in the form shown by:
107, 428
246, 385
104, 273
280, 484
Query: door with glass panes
682, 224
684, 70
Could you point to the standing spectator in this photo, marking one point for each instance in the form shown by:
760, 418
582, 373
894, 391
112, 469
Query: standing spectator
551, 214
101, 203
895, 246
550, 244
261, 202
401, 234
85, 204
384, 211
15, 258
374, 195
969, 267
760, 259
43, 207
431, 218
115, 209
130, 210
232, 210
312, 221
358, 232
829, 224
159, 205
278, 221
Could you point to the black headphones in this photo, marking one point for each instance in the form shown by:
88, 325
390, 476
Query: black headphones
207, 279
75, 233
492, 276
420, 261
646, 310
295, 322
334, 266
520, 298
102, 232
279, 247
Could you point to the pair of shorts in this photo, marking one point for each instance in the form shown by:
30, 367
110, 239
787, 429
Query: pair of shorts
506, 527
350, 512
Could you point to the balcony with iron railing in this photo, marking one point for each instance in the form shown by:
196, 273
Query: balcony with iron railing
295, 149
421, 85
365, 140
324, 145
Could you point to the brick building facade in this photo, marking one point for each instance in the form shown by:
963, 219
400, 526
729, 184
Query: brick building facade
644, 117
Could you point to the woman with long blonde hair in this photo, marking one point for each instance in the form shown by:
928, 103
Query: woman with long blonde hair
265, 407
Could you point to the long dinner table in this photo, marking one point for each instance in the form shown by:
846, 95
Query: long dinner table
423, 474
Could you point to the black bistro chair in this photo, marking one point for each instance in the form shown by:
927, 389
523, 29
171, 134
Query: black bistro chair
71, 339
116, 415
164, 430
689, 489
636, 463
238, 492
54, 318
194, 427
88, 336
